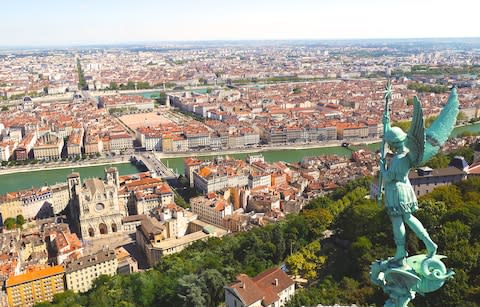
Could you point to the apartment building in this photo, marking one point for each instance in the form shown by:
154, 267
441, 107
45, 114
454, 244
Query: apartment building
346, 131
75, 143
35, 286
10, 206
211, 208
257, 179
425, 179
6, 149
93, 145
48, 147
121, 141
80, 273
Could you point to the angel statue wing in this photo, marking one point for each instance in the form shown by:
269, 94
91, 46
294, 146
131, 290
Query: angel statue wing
416, 134
438, 133
423, 145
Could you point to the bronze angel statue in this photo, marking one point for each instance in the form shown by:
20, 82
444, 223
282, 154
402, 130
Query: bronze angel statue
410, 150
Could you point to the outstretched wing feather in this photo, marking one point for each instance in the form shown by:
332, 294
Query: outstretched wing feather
438, 133
416, 134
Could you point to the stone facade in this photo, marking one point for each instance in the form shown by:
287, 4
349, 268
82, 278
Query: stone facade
94, 204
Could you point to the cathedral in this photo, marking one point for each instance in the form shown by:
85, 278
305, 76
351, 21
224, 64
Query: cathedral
94, 206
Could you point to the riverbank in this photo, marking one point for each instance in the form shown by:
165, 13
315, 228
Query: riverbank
263, 149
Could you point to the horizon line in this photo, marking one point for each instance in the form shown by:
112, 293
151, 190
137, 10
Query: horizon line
186, 41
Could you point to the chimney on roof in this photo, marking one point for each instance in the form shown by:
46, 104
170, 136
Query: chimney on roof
275, 282
243, 285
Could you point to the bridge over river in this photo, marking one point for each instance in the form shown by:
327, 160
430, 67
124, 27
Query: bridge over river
153, 164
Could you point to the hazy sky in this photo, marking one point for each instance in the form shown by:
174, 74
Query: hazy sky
66, 22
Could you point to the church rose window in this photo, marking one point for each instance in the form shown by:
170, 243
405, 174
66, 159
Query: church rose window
99, 207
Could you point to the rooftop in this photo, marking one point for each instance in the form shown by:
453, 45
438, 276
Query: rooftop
34, 275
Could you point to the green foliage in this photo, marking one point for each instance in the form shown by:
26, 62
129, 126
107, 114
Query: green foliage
444, 70
10, 223
451, 214
82, 83
20, 220
161, 99
190, 114
205, 289
142, 85
113, 86
466, 152
297, 90
69, 298
306, 262
429, 121
179, 200
440, 160
461, 117
427, 88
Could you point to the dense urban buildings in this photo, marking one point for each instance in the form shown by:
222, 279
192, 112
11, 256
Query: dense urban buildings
59, 107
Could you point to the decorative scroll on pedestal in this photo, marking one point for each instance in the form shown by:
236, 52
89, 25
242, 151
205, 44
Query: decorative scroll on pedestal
421, 274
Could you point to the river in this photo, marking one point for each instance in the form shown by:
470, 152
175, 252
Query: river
19, 181
14, 182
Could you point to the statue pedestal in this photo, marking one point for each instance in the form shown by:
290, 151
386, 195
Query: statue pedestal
418, 274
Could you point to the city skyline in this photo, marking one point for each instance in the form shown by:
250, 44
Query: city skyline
56, 23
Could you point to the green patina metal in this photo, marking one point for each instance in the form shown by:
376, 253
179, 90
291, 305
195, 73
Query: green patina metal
401, 277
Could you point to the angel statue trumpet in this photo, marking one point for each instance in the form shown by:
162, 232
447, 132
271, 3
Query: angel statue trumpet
402, 277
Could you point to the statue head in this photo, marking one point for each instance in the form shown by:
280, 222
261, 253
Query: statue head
395, 137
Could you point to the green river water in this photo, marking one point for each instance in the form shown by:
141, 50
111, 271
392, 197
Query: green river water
19, 181
14, 182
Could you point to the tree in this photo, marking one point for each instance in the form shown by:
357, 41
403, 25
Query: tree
307, 261
10, 223
449, 194
130, 85
431, 213
213, 282
461, 117
430, 120
68, 298
440, 160
280, 245
20, 220
190, 291
465, 152
113, 86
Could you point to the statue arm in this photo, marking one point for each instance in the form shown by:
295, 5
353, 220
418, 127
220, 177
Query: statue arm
386, 121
